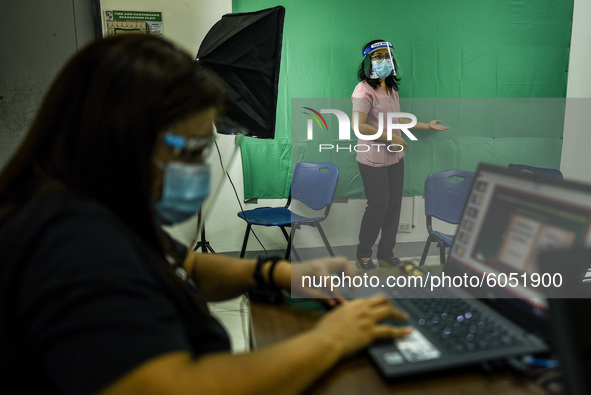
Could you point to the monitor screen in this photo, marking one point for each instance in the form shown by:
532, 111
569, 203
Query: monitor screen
510, 218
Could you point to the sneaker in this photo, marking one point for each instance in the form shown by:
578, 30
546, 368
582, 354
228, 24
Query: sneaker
365, 263
389, 262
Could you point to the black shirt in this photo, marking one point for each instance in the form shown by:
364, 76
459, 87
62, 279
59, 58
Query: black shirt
83, 302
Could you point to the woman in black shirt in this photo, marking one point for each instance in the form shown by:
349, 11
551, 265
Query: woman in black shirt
94, 297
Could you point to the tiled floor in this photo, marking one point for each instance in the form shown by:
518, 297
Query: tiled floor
234, 314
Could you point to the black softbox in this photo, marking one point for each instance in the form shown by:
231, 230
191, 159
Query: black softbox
244, 51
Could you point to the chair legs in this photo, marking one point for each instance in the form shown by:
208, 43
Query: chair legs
245, 241
426, 250
441, 253
325, 240
290, 248
289, 237
322, 235
441, 245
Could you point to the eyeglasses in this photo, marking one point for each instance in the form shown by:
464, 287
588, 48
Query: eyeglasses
380, 57
189, 148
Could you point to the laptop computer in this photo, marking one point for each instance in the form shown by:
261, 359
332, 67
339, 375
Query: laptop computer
493, 306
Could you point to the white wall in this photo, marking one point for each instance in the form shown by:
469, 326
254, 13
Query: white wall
576, 161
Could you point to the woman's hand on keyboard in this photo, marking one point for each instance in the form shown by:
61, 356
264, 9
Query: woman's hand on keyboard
355, 324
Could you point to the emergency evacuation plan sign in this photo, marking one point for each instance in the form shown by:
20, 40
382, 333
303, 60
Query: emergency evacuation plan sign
142, 22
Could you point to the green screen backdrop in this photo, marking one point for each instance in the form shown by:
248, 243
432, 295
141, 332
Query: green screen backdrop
471, 64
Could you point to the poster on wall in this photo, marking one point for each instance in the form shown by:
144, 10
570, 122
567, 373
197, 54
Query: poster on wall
142, 22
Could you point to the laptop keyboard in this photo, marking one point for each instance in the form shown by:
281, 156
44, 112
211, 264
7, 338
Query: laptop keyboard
460, 327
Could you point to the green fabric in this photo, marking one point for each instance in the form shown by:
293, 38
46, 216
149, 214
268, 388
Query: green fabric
444, 49
266, 167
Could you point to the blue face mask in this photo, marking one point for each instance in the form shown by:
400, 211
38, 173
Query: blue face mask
185, 188
381, 68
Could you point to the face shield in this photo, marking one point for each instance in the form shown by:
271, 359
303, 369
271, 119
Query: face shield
193, 178
379, 65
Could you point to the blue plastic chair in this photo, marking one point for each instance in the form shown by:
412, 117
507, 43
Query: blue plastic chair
313, 184
536, 170
445, 196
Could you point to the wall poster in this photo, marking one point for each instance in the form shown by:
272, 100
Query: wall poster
142, 22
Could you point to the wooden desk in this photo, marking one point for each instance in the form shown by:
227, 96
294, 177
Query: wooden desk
271, 323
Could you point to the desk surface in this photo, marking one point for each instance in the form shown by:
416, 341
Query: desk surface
271, 323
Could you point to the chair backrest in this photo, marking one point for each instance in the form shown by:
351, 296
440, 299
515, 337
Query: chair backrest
314, 184
446, 193
536, 170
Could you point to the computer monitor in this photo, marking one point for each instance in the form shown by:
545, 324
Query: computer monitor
510, 218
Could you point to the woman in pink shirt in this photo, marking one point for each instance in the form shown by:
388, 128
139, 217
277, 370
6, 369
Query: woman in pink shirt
380, 162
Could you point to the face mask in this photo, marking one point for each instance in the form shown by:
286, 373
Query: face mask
381, 68
185, 188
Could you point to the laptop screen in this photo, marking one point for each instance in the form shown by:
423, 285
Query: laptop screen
509, 219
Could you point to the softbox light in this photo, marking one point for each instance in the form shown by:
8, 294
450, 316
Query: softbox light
244, 51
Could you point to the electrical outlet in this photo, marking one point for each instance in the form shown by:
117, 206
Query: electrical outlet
404, 227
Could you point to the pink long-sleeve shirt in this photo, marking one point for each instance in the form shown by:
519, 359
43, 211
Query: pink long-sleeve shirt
376, 103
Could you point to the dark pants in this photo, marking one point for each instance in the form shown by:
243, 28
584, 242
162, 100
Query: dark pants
383, 190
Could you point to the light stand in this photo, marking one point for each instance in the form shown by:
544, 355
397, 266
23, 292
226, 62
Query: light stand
243, 50
203, 243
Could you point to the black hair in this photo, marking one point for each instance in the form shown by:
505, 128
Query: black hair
392, 81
